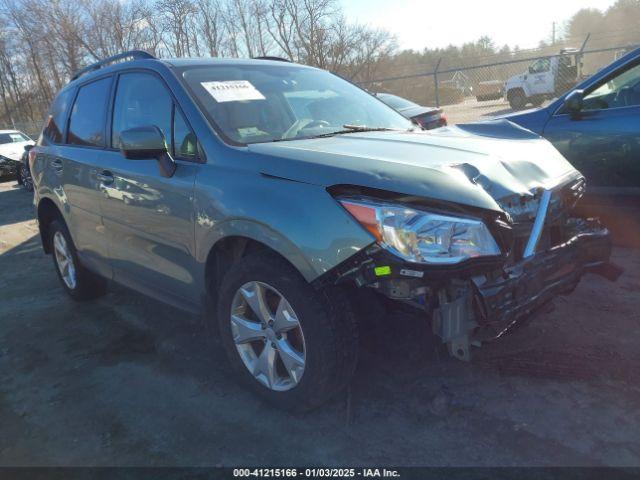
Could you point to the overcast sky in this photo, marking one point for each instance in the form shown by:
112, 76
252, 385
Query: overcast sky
438, 23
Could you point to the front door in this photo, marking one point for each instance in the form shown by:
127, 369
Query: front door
540, 77
150, 218
603, 142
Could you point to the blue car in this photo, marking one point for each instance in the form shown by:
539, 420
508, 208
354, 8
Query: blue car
596, 126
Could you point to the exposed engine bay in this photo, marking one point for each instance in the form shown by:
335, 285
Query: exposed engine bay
545, 250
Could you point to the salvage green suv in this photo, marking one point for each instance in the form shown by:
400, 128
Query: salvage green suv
269, 195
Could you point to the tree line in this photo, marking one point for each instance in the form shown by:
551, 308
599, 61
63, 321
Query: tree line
44, 42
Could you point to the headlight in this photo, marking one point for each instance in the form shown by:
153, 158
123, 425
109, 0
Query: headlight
423, 237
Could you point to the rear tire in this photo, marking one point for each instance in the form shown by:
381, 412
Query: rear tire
321, 330
25, 178
78, 282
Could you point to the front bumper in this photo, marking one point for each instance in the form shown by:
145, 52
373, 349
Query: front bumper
532, 282
489, 306
479, 300
8, 167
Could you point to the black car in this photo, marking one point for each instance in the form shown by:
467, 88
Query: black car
427, 117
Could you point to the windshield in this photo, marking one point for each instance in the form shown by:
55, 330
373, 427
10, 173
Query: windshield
262, 103
13, 137
396, 102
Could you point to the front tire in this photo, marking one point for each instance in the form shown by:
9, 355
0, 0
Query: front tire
517, 100
291, 344
78, 282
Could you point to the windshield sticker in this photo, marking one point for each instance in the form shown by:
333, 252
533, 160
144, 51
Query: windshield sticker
232, 91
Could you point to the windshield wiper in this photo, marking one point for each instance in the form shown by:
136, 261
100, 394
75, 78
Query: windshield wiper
347, 129
356, 129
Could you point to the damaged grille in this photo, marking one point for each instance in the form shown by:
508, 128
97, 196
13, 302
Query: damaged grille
524, 210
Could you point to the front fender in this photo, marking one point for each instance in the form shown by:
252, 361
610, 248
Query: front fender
517, 83
300, 221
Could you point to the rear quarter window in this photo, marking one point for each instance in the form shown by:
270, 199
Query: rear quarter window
54, 124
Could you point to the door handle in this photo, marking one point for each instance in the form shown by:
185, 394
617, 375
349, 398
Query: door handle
105, 177
56, 164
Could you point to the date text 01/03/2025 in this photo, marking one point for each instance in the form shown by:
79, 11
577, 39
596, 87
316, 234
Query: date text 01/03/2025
315, 473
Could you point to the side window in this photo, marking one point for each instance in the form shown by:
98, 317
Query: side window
54, 124
184, 139
86, 124
540, 66
623, 90
141, 100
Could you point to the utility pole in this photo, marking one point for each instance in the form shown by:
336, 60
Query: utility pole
553, 33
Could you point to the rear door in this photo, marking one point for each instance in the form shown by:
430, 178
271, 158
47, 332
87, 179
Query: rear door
77, 161
603, 142
149, 219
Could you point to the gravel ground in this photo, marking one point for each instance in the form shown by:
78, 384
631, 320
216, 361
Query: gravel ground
470, 110
126, 381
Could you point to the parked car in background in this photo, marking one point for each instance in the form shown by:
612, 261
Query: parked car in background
12, 144
596, 126
489, 90
427, 117
279, 227
24, 173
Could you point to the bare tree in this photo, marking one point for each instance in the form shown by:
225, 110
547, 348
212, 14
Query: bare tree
44, 42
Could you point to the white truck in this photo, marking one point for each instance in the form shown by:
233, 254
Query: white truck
546, 78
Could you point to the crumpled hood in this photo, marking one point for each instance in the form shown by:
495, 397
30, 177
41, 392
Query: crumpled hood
13, 151
476, 164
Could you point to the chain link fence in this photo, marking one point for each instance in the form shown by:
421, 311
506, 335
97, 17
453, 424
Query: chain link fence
498, 84
486, 86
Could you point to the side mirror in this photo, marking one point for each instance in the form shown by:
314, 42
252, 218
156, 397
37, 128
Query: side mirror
28, 147
574, 102
147, 143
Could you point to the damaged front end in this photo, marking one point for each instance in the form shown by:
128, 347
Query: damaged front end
541, 250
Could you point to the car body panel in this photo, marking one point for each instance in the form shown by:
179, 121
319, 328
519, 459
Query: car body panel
418, 110
427, 117
84, 221
301, 221
11, 154
605, 146
13, 150
149, 223
451, 165
78, 173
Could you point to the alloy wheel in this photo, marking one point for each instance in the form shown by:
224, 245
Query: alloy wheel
64, 260
268, 336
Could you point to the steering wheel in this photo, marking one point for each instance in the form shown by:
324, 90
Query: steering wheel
301, 124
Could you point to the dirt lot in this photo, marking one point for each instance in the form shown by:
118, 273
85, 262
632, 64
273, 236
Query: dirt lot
470, 110
125, 381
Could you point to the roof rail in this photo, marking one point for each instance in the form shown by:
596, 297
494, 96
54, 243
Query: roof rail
131, 54
275, 59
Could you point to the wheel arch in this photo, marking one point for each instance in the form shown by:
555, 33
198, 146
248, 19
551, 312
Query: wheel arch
513, 90
47, 212
229, 249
